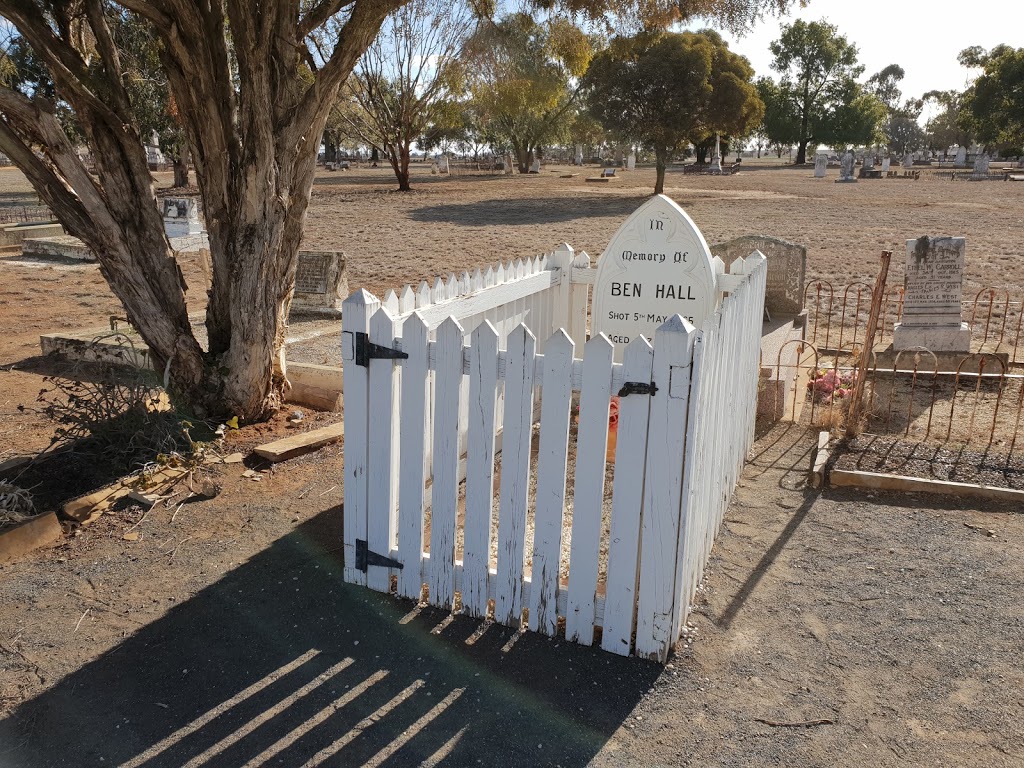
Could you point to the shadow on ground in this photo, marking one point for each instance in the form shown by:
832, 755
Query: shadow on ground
282, 663
538, 210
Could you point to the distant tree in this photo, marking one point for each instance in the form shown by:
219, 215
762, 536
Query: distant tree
947, 127
523, 78
664, 90
885, 85
780, 126
994, 103
819, 69
407, 76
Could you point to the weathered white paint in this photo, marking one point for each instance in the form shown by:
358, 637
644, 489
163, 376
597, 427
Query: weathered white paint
382, 485
414, 429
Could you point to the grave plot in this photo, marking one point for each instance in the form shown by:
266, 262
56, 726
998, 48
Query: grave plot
463, 388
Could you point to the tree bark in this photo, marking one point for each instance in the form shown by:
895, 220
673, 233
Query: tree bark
660, 164
253, 119
801, 152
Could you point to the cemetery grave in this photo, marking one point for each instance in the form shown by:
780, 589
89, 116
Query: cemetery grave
835, 621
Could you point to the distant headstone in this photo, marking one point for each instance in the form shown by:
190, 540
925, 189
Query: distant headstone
535, 168
846, 168
932, 297
960, 161
442, 165
885, 164
908, 160
716, 156
320, 280
579, 155
181, 217
631, 162
657, 265
820, 166
787, 267
981, 164
869, 161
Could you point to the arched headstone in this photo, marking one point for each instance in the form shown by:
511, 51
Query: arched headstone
657, 265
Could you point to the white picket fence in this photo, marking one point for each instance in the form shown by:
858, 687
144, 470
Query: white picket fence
465, 388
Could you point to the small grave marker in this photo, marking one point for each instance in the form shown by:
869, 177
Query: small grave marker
820, 166
657, 265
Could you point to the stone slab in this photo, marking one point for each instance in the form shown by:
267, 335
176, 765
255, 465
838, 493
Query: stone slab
933, 338
16, 234
61, 247
881, 481
787, 268
320, 280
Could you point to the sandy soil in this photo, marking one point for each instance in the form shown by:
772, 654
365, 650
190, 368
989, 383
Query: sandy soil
832, 629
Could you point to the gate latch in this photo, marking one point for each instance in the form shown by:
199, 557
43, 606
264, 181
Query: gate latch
365, 350
638, 388
366, 558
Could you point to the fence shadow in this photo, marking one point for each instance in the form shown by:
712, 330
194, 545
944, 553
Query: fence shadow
280, 662
539, 210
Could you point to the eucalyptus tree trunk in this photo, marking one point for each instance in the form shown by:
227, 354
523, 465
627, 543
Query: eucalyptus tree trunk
240, 75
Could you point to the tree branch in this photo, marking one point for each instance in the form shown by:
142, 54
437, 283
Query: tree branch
319, 14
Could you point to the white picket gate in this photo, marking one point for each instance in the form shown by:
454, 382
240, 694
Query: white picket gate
462, 383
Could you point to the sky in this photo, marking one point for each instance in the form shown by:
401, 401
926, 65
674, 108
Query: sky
922, 36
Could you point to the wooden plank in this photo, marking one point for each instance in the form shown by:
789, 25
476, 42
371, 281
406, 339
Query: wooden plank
382, 450
673, 348
515, 471
627, 503
556, 388
84, 507
588, 494
445, 489
483, 385
413, 433
19, 540
886, 482
356, 310
299, 445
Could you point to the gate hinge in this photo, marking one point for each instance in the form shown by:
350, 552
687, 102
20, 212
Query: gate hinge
363, 350
366, 558
638, 388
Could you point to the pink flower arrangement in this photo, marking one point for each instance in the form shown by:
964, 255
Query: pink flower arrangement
831, 385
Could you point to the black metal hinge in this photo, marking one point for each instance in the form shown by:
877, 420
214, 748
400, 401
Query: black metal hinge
365, 351
366, 558
638, 388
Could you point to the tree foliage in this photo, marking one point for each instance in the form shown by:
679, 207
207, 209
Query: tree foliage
524, 77
819, 71
664, 90
947, 127
994, 103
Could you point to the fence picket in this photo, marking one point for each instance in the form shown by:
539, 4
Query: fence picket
515, 474
588, 496
445, 490
627, 504
551, 470
415, 394
423, 296
673, 348
356, 310
407, 301
483, 385
382, 472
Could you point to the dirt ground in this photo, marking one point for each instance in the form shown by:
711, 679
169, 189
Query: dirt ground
834, 628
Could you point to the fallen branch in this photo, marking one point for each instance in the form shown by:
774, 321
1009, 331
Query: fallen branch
800, 724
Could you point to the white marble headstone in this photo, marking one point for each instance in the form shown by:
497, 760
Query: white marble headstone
657, 265
932, 309
820, 165
885, 164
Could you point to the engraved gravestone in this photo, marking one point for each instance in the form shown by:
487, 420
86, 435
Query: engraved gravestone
820, 166
932, 297
787, 266
181, 217
657, 265
320, 281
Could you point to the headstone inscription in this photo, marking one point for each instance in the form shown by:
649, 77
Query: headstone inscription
181, 217
787, 267
932, 309
820, 165
657, 265
320, 280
